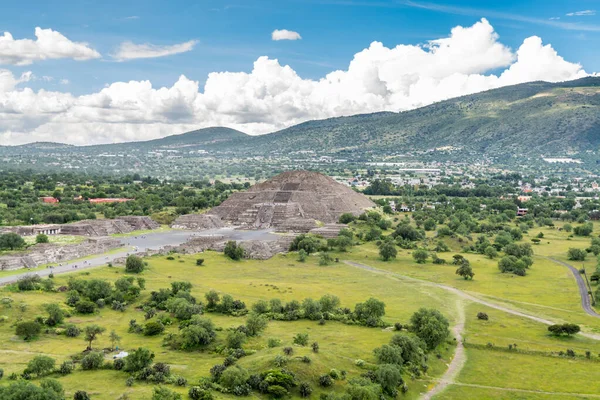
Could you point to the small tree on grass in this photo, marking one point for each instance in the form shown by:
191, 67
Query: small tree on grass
577, 254
564, 329
388, 251
420, 256
431, 326
325, 259
138, 360
41, 238
40, 365
91, 333
491, 252
28, 329
233, 250
465, 271
134, 264
114, 339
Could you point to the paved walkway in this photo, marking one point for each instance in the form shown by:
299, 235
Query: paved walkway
586, 302
140, 244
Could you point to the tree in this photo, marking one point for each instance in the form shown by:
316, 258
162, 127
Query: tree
163, 393
465, 271
233, 250
153, 328
389, 377
28, 330
255, 324
91, 333
430, 326
576, 254
114, 339
387, 251
41, 238
138, 359
568, 228
370, 312
491, 252
429, 224
92, 361
81, 395
233, 377
40, 365
564, 329
420, 256
388, 354
11, 241
212, 299
134, 264
346, 218
235, 339
23, 390
55, 314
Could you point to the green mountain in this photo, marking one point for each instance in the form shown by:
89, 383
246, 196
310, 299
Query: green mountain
530, 118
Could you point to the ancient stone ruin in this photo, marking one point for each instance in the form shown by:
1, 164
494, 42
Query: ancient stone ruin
45, 253
293, 201
198, 222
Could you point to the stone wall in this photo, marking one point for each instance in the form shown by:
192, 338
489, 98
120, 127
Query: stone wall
46, 253
198, 221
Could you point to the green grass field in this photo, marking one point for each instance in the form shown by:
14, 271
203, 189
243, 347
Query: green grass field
281, 277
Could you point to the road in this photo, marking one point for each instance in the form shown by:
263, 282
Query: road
140, 244
586, 303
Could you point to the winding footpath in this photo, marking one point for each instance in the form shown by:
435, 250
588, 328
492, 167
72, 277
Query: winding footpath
583, 289
459, 358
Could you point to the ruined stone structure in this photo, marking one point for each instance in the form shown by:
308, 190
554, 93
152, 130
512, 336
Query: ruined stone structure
291, 201
328, 231
254, 249
105, 227
46, 253
90, 227
198, 221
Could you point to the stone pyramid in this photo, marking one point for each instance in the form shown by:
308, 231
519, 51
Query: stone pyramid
293, 201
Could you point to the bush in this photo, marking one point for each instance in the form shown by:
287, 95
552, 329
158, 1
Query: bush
134, 264
577, 254
305, 389
92, 361
199, 261
420, 256
430, 326
325, 259
301, 339
325, 380
81, 395
153, 328
273, 342
197, 393
233, 377
388, 251
41, 238
233, 251
66, 368
162, 393
564, 329
28, 330
482, 316
85, 307
40, 365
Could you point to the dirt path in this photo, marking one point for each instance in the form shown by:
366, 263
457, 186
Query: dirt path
583, 289
465, 296
459, 359
583, 395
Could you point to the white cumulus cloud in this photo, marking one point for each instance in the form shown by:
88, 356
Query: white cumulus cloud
49, 44
132, 51
284, 34
273, 96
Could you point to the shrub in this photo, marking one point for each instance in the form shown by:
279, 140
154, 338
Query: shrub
301, 339
288, 351
197, 393
199, 261
315, 347
305, 389
273, 342
420, 256
233, 250
66, 368
482, 316
577, 254
153, 328
81, 395
325, 380
129, 381
564, 329
92, 361
85, 307
162, 393
134, 264
40, 365
430, 326
28, 330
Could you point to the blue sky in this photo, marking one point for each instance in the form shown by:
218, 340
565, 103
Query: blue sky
113, 71
233, 33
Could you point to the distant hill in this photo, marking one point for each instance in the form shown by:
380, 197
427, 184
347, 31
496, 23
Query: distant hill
537, 117
527, 119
